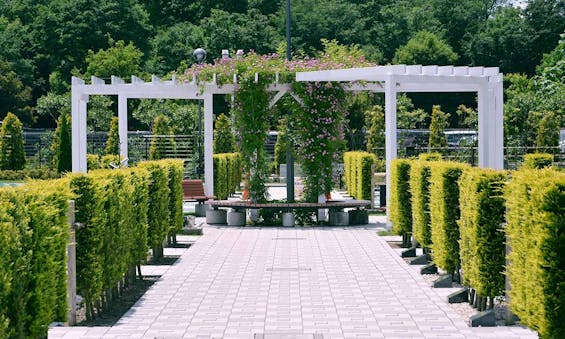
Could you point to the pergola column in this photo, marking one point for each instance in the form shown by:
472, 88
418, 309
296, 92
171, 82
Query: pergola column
484, 132
123, 126
496, 94
209, 143
78, 122
390, 133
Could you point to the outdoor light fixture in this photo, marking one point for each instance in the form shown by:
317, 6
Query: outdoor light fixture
239, 53
225, 54
199, 55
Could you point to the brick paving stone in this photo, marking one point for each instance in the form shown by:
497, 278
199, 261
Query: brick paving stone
290, 282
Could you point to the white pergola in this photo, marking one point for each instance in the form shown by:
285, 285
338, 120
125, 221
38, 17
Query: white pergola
156, 89
485, 81
392, 79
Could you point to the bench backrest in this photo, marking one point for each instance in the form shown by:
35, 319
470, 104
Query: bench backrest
193, 188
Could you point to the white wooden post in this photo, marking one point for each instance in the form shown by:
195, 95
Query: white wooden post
498, 126
123, 126
484, 131
390, 133
78, 123
208, 143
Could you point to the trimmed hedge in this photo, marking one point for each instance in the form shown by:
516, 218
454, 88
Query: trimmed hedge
92, 162
35, 173
444, 213
537, 160
430, 156
482, 243
358, 171
158, 204
536, 234
400, 197
227, 174
33, 243
420, 173
176, 173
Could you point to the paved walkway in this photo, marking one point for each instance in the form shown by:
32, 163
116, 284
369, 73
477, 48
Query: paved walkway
291, 283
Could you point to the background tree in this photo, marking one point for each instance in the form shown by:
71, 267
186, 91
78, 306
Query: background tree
375, 121
161, 145
224, 140
425, 48
409, 117
467, 117
437, 126
12, 155
113, 141
547, 132
14, 95
119, 59
61, 146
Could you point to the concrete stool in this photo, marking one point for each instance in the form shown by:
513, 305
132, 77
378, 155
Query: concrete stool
288, 219
339, 218
216, 216
200, 209
236, 218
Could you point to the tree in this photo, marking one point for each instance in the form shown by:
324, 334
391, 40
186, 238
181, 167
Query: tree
61, 146
467, 117
224, 140
504, 40
437, 126
53, 105
425, 48
120, 60
173, 46
182, 114
547, 132
14, 95
161, 144
407, 116
113, 141
375, 120
12, 155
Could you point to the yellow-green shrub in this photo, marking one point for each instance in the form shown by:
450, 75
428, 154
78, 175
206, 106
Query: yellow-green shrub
482, 245
33, 240
537, 160
93, 162
420, 173
358, 171
444, 213
227, 174
536, 234
400, 203
158, 213
434, 156
176, 173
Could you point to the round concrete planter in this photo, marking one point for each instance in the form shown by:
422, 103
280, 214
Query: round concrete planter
214, 217
288, 219
236, 218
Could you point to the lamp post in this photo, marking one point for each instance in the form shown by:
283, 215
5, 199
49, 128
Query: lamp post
200, 55
289, 144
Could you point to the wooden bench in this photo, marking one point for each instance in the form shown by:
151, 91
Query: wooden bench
193, 190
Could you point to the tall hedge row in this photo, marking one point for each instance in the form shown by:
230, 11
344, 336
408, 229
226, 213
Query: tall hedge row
420, 173
227, 174
176, 173
482, 243
444, 213
536, 235
358, 171
400, 197
158, 204
537, 160
33, 239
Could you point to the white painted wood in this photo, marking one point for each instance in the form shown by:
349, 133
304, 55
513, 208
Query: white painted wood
414, 69
277, 97
429, 70
461, 70
208, 144
76, 81
123, 127
136, 80
483, 132
476, 71
155, 79
96, 81
390, 134
116, 80
497, 155
445, 70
